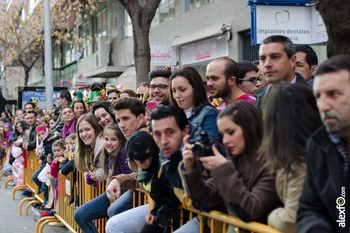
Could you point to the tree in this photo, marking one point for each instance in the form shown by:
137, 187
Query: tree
141, 18
335, 14
22, 39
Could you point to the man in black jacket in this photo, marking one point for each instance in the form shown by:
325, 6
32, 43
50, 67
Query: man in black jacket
277, 63
32, 121
323, 204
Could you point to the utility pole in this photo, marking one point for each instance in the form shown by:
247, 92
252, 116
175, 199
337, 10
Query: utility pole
48, 56
3, 67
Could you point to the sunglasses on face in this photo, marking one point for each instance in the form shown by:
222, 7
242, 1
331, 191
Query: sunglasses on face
139, 95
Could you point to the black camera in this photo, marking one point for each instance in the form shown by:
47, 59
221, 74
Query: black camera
202, 144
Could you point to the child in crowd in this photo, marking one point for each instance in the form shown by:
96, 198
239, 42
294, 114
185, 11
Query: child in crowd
114, 163
44, 149
6, 135
67, 166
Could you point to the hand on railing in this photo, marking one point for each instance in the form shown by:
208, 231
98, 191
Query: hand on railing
114, 188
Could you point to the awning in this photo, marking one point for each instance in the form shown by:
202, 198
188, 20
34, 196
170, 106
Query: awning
204, 33
130, 71
106, 72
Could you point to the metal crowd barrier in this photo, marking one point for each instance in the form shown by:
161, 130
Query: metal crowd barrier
217, 221
3, 163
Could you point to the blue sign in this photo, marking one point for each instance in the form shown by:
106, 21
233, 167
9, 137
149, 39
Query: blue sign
38, 95
251, 2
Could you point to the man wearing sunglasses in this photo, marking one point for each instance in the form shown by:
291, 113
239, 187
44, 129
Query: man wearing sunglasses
141, 89
249, 80
159, 86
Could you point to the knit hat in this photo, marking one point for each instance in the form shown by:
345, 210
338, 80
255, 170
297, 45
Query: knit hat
97, 93
41, 128
141, 146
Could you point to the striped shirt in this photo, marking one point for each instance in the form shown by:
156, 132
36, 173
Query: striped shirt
341, 147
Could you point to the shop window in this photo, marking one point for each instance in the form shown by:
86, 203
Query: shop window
124, 23
99, 28
68, 53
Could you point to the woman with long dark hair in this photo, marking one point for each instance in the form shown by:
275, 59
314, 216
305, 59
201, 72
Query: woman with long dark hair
79, 108
239, 180
290, 117
187, 91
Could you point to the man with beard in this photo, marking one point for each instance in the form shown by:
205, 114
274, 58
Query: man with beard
322, 204
223, 81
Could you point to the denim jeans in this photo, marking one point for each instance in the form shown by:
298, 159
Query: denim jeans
123, 203
41, 184
94, 209
190, 227
130, 221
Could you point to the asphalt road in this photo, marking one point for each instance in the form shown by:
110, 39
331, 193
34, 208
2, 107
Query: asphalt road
11, 222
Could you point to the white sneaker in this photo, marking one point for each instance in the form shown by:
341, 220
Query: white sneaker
56, 224
11, 182
36, 215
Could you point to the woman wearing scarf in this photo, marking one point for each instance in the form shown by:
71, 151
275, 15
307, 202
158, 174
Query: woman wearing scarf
69, 121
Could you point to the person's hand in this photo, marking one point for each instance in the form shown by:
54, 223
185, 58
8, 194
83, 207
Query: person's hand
66, 154
114, 188
22, 160
40, 162
25, 146
187, 154
211, 162
147, 123
93, 175
150, 219
16, 143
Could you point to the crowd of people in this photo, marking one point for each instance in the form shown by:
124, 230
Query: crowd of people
265, 141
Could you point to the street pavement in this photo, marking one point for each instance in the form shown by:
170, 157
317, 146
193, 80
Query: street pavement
11, 222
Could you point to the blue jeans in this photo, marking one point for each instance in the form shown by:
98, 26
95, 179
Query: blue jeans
91, 210
130, 221
41, 184
190, 227
123, 203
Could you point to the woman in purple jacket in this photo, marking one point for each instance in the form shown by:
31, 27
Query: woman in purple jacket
114, 164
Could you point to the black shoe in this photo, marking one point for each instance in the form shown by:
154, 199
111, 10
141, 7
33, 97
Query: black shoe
40, 190
37, 205
43, 206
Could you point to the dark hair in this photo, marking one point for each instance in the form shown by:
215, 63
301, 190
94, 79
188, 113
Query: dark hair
135, 105
248, 118
130, 92
288, 108
30, 103
65, 94
256, 62
7, 114
103, 104
311, 57
54, 118
164, 73
59, 143
114, 155
339, 62
231, 68
79, 101
195, 80
24, 125
5, 120
143, 84
244, 68
113, 91
35, 113
288, 45
164, 111
40, 112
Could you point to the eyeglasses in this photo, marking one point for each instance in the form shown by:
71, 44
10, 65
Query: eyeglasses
252, 80
161, 87
139, 95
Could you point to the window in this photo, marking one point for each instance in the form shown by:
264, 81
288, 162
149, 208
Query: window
194, 4
250, 52
99, 22
125, 26
68, 53
57, 56
84, 33
165, 12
